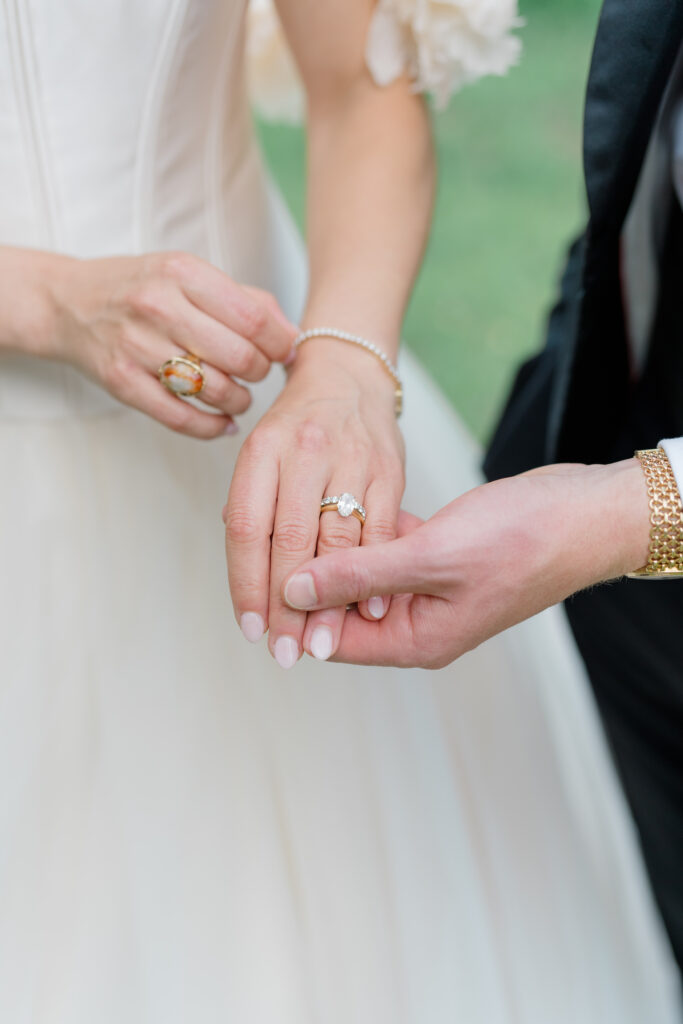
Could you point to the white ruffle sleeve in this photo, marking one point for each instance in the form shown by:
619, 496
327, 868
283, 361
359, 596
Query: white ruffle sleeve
673, 446
441, 44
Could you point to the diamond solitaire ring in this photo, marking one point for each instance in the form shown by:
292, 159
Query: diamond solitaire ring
345, 504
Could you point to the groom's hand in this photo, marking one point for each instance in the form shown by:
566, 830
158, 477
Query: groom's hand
490, 559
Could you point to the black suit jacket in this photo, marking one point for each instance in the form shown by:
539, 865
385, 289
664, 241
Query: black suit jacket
569, 403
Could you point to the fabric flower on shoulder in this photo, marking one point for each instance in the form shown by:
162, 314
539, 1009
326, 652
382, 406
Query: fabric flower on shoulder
442, 44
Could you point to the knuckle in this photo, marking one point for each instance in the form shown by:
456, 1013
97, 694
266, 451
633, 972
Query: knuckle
392, 468
241, 525
259, 368
293, 535
243, 360
178, 419
230, 397
274, 311
128, 340
175, 266
221, 390
148, 301
254, 317
211, 426
312, 437
397, 472
433, 662
380, 529
242, 400
272, 305
424, 642
119, 376
260, 443
334, 537
357, 454
359, 579
258, 295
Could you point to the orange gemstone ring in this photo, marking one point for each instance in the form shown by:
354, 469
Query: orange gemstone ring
182, 375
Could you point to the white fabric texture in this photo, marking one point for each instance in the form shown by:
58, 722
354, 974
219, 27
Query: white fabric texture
187, 833
673, 446
442, 45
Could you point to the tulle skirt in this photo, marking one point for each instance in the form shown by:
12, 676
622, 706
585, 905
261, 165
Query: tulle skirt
188, 833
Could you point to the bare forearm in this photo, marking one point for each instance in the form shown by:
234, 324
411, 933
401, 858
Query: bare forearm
371, 188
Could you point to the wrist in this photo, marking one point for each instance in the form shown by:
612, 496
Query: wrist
623, 519
596, 522
28, 282
343, 366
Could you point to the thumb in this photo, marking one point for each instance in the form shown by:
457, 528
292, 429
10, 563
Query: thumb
356, 574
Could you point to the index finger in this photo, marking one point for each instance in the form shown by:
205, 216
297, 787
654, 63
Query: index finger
248, 517
243, 310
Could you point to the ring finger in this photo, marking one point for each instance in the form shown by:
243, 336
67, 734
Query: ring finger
336, 531
218, 390
222, 392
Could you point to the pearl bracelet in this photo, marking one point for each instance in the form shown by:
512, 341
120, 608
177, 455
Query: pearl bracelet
369, 346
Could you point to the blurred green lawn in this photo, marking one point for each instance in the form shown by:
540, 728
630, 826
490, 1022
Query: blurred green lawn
510, 199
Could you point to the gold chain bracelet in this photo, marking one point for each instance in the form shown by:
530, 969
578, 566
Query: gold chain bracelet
666, 518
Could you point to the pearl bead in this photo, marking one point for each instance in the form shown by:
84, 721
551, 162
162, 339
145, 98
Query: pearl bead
369, 346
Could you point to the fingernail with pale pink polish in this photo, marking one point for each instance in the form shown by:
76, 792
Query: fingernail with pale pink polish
231, 428
253, 627
376, 607
300, 591
286, 652
290, 358
321, 643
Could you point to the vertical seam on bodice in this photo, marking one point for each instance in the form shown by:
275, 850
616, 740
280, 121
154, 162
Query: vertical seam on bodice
149, 125
215, 213
32, 123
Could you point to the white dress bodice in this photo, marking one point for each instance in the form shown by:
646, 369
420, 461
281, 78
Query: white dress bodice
125, 127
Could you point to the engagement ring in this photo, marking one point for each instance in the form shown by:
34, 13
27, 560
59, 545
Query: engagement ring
345, 504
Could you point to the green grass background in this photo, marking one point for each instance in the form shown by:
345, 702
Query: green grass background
510, 199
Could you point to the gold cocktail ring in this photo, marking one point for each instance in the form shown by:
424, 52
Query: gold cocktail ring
345, 504
182, 375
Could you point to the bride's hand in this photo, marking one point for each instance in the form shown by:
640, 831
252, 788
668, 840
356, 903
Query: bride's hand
119, 319
332, 429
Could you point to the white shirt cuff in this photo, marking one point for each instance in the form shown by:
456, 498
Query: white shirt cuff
673, 447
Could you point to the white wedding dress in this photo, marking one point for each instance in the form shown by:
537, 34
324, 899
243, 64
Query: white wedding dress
186, 832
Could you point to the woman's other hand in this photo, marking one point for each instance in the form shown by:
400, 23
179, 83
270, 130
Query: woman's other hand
119, 319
